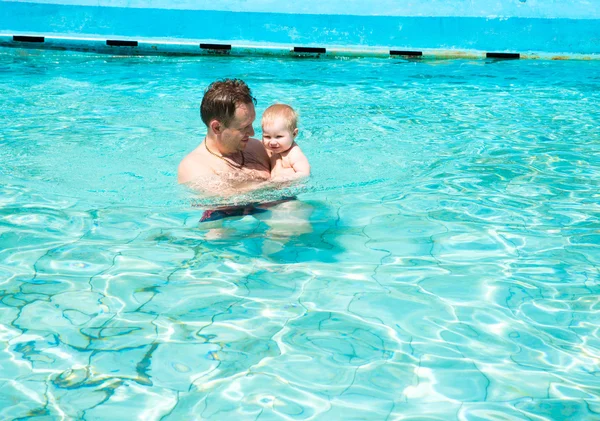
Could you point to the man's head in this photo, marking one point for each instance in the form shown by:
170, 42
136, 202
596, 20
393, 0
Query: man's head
228, 111
280, 127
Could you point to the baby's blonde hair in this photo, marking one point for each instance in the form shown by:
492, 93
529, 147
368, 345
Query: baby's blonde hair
283, 111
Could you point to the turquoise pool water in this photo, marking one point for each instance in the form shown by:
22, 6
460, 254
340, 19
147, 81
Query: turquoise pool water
441, 263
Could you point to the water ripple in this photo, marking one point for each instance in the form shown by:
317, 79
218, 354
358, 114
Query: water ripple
441, 263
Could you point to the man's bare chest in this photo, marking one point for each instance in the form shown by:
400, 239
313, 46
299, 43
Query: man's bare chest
250, 170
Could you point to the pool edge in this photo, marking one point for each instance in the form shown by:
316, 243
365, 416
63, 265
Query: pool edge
128, 46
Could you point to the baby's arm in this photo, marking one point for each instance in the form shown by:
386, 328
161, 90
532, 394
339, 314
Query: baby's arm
299, 162
297, 166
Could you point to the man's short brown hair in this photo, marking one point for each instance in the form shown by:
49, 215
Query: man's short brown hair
222, 97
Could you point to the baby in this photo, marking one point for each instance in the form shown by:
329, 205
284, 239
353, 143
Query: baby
279, 126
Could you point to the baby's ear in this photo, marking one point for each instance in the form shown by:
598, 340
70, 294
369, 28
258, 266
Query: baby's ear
295, 132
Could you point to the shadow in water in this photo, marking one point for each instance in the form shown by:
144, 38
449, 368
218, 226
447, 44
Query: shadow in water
288, 232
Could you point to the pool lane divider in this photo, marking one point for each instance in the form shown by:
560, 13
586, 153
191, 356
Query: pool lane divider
27, 38
121, 43
310, 50
146, 46
406, 53
503, 55
215, 47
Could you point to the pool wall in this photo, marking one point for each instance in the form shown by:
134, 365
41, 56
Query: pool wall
509, 28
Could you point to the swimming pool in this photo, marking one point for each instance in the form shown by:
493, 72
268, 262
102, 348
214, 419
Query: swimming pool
441, 263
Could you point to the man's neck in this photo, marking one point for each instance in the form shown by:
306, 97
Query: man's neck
213, 145
227, 158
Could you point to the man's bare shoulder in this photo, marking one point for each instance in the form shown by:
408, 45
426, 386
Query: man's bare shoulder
192, 167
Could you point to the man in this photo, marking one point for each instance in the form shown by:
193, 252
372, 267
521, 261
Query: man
229, 160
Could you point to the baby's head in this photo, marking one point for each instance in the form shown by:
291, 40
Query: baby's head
279, 127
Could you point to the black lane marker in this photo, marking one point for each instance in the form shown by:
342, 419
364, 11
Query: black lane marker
502, 55
215, 46
406, 53
318, 50
27, 38
121, 43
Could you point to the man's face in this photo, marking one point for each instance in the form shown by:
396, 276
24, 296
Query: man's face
235, 136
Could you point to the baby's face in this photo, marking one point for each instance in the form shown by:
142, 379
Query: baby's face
277, 136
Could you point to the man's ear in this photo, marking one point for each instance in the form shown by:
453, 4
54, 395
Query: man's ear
295, 132
216, 126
